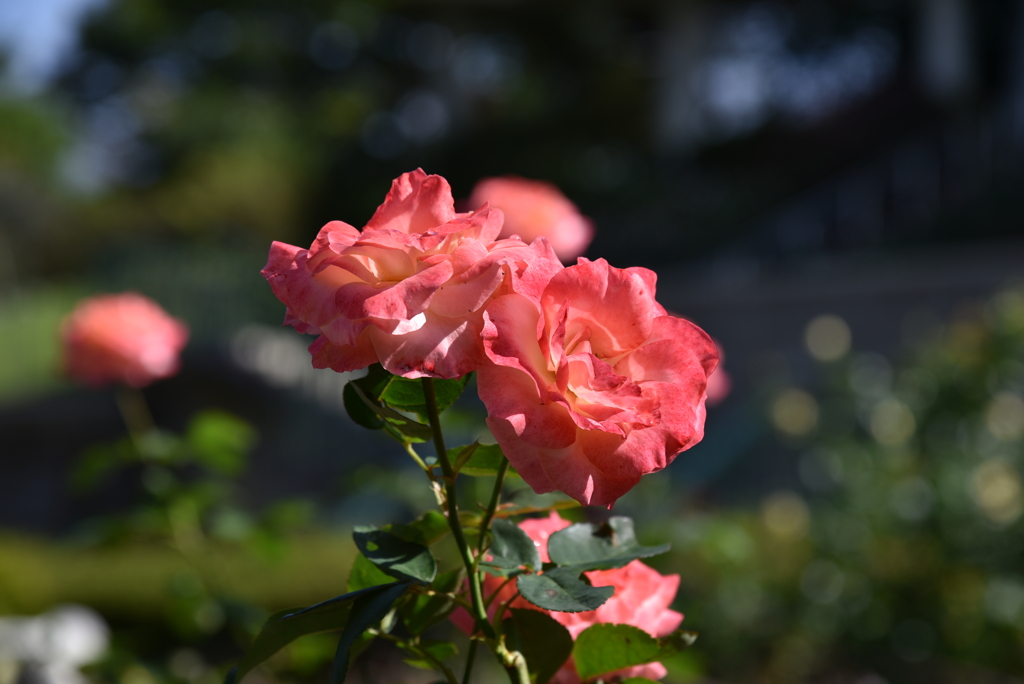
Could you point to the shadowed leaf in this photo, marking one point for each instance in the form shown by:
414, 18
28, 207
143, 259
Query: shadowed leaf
562, 589
398, 557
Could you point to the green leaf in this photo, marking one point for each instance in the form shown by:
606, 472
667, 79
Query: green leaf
591, 547
432, 526
639, 680
393, 421
478, 460
220, 441
398, 557
358, 409
512, 548
562, 589
367, 610
420, 612
458, 456
365, 574
604, 648
364, 398
544, 642
370, 387
438, 650
405, 394
286, 626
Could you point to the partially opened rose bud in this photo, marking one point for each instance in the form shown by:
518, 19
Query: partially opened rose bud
536, 209
122, 338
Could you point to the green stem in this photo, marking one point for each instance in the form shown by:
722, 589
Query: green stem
419, 461
135, 413
470, 657
500, 613
415, 649
476, 592
514, 664
445, 670
485, 524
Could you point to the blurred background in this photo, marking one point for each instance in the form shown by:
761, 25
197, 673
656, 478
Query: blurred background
831, 189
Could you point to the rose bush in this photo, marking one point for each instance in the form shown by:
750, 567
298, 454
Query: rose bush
407, 291
588, 383
593, 385
124, 338
536, 209
642, 599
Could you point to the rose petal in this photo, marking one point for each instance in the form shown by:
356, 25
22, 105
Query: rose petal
415, 204
440, 348
342, 358
615, 304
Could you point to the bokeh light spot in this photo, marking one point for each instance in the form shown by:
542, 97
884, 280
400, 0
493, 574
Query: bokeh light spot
827, 338
785, 515
1004, 417
794, 412
822, 581
892, 423
996, 489
912, 499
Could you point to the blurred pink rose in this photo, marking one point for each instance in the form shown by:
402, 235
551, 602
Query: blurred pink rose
537, 209
642, 598
409, 290
124, 338
595, 385
719, 382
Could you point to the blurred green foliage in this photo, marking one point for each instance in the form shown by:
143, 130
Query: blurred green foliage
29, 332
901, 557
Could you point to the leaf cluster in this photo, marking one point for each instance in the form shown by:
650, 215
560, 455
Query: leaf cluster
381, 401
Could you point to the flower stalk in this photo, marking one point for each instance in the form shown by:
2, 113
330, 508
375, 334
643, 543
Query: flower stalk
476, 592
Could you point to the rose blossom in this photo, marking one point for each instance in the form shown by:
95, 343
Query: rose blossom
642, 598
594, 385
537, 209
121, 338
409, 290
719, 382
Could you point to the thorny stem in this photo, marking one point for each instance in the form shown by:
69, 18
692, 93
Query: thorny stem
513, 661
470, 657
479, 612
485, 524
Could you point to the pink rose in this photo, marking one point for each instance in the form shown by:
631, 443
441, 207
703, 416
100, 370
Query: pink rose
409, 290
642, 598
594, 385
719, 382
537, 209
121, 338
